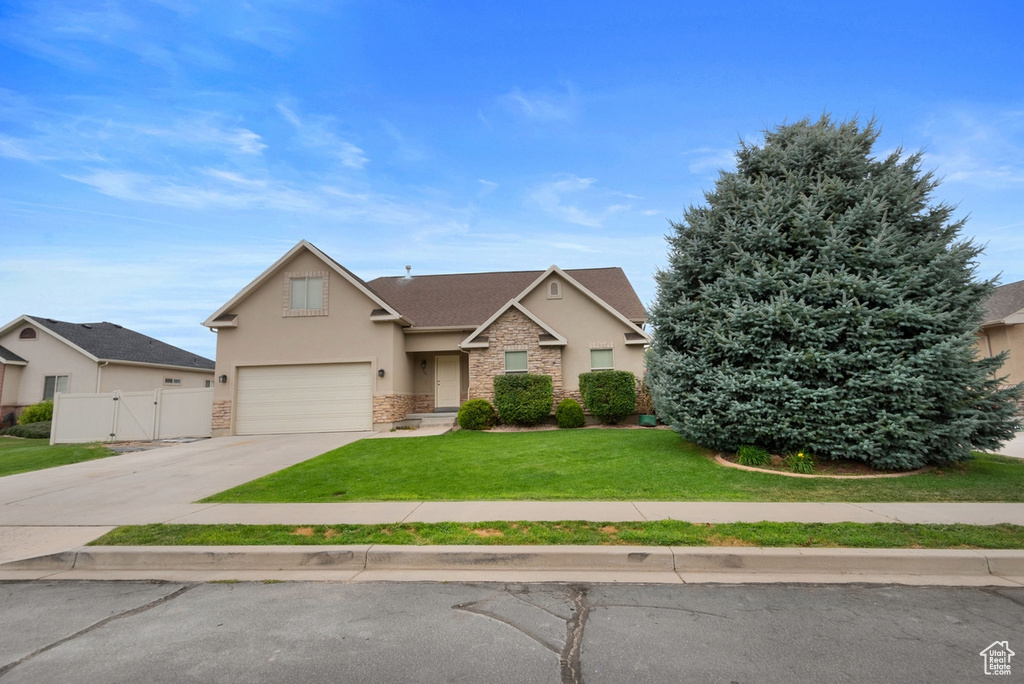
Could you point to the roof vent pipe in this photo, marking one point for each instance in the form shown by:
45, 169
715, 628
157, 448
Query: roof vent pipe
408, 271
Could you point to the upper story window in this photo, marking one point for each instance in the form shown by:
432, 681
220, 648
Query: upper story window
601, 359
27, 334
554, 290
53, 384
515, 362
305, 294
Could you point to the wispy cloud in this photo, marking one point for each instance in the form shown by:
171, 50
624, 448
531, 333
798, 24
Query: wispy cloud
315, 132
542, 106
706, 161
562, 198
977, 147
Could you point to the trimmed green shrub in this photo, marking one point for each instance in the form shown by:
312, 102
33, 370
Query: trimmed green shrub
610, 395
36, 413
524, 399
40, 430
476, 414
753, 456
569, 414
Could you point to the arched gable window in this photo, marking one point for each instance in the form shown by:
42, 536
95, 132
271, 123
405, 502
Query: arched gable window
554, 290
27, 334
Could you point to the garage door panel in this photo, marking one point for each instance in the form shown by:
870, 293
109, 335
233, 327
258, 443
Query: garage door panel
318, 398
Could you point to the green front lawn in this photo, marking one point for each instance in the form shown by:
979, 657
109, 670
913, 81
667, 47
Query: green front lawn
589, 465
23, 455
653, 533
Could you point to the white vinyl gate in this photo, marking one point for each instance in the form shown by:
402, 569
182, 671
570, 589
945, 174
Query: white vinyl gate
124, 416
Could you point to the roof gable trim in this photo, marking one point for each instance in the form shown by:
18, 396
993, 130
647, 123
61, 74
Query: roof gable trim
469, 343
554, 269
334, 266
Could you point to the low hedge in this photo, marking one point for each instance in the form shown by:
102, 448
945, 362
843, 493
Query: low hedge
609, 395
476, 414
569, 414
40, 430
523, 399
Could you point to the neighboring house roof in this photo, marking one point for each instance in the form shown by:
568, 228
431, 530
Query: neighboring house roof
7, 357
111, 342
469, 299
1005, 302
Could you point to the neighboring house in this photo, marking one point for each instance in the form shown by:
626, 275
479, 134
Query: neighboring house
1003, 329
40, 357
309, 347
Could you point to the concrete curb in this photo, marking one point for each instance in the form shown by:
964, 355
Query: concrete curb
634, 560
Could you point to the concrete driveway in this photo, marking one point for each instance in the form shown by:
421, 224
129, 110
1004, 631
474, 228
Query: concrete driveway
61, 507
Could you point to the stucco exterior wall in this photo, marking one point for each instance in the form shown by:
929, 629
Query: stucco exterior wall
46, 355
266, 336
141, 378
999, 338
585, 325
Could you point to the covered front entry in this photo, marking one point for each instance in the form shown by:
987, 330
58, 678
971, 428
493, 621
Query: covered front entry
449, 382
334, 397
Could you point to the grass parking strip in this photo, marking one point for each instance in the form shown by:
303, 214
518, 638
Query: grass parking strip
575, 532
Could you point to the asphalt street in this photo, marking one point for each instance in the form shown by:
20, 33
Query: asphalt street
458, 632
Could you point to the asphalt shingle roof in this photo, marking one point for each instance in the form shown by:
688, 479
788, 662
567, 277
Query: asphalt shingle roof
469, 299
1005, 301
109, 341
7, 355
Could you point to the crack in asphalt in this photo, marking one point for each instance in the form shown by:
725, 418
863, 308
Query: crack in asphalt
568, 655
96, 625
572, 668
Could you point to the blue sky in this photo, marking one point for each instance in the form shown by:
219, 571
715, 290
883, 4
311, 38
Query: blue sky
156, 156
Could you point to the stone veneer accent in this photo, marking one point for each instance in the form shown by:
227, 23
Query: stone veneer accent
391, 408
424, 403
513, 331
222, 414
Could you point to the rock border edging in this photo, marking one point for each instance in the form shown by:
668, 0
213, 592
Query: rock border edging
729, 464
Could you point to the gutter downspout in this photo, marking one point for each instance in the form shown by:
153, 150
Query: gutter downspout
99, 374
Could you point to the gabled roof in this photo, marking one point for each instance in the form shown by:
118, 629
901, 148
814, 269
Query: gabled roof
111, 342
550, 337
388, 314
469, 299
10, 358
1006, 301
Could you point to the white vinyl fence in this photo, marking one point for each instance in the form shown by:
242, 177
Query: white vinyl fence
123, 416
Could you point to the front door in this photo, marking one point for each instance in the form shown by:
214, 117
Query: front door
446, 372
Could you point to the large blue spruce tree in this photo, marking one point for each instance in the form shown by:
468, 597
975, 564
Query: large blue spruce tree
819, 302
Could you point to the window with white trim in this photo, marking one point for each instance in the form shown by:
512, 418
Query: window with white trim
554, 290
516, 362
172, 381
53, 384
307, 294
208, 383
601, 359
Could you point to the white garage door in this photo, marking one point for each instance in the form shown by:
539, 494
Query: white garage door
321, 398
